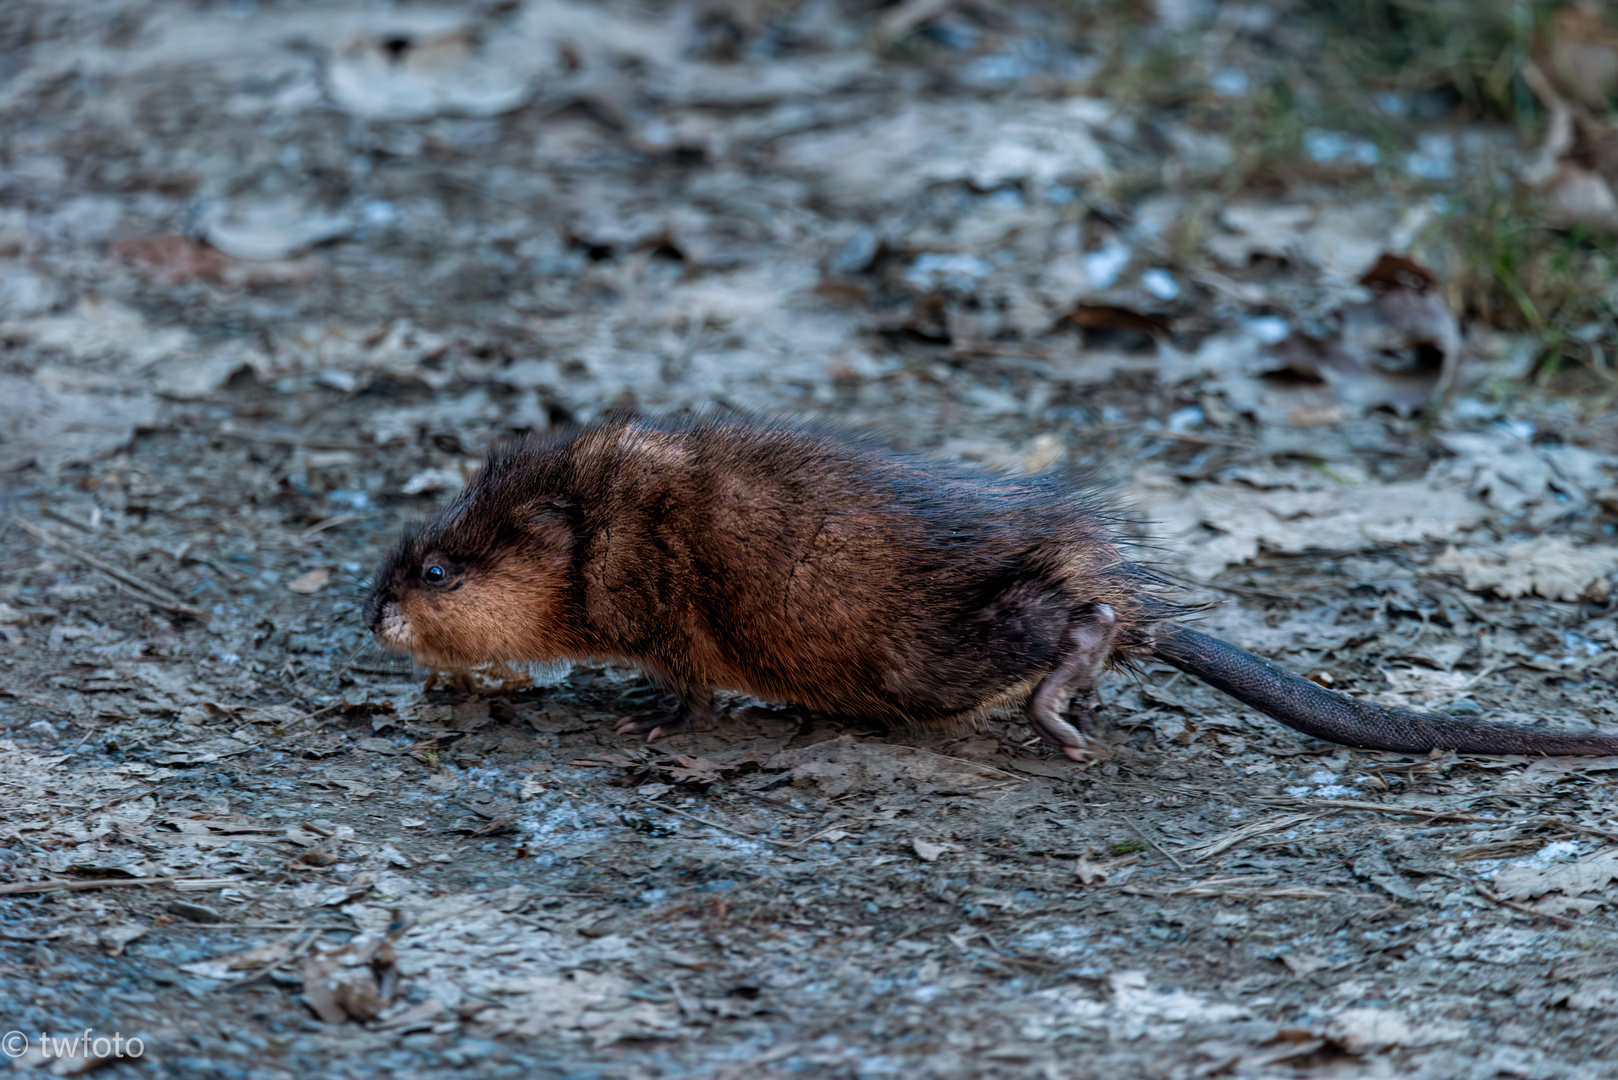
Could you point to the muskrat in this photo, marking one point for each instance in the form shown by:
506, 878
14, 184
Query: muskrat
804, 565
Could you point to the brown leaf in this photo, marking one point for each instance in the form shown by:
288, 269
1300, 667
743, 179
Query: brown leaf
1113, 317
696, 770
1398, 350
173, 260
353, 981
320, 993
1580, 55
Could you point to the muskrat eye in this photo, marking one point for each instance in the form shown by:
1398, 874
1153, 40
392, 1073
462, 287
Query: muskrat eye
433, 574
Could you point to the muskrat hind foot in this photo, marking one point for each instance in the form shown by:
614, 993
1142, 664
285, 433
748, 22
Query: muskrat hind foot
1090, 643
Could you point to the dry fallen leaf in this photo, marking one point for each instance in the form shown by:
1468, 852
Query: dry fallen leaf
928, 852
696, 770
115, 938
1572, 879
1579, 53
412, 76
311, 582
1573, 166
429, 481
273, 229
845, 764
355, 981
52, 428
1363, 1030
1346, 517
1548, 566
1273, 229
1302, 963
1399, 349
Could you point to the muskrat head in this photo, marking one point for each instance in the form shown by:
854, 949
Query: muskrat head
483, 583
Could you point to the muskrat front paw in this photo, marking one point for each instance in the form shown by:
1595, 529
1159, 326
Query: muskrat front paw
657, 726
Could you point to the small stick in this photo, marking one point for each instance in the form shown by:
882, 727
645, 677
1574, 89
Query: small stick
1159, 848
66, 519
142, 793
57, 885
978, 765
680, 999
1224, 843
155, 595
296, 927
738, 832
1559, 920
317, 713
322, 526
1453, 815
1283, 892
271, 439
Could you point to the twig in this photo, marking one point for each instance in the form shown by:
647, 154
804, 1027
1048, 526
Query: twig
1256, 594
1199, 440
317, 713
784, 807
322, 526
295, 927
680, 999
978, 765
1245, 832
911, 14
155, 595
1560, 920
1453, 815
1159, 848
1279, 892
142, 793
58, 885
270, 439
738, 832
66, 519
364, 669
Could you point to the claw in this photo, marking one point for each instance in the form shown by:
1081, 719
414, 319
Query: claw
687, 717
1090, 643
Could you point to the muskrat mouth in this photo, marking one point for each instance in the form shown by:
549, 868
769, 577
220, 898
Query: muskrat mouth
394, 631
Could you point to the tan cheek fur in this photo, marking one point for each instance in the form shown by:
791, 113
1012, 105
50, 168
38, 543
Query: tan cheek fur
505, 613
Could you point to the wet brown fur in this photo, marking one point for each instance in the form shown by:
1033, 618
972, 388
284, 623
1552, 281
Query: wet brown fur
804, 565
789, 562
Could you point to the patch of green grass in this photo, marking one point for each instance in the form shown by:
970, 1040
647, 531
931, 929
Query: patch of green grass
1510, 271
1470, 49
1388, 71
1126, 847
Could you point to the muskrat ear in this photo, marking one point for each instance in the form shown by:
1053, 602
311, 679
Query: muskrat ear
550, 513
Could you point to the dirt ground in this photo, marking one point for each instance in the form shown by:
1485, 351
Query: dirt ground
273, 275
